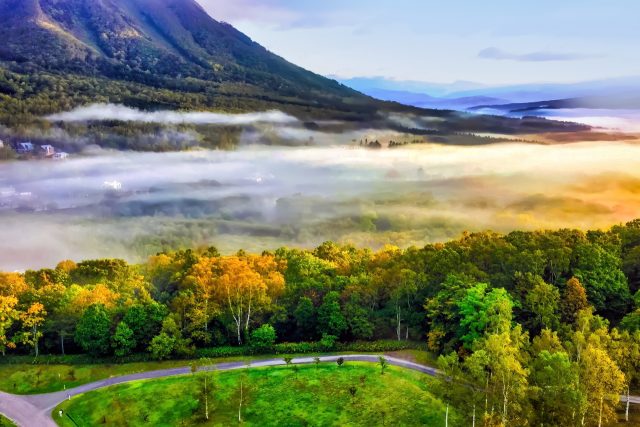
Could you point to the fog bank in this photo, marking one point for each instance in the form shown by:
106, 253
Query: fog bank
129, 205
98, 112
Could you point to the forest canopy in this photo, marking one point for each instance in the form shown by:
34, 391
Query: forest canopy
546, 324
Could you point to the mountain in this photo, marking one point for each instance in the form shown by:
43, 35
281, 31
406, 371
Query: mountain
56, 55
426, 101
618, 101
162, 44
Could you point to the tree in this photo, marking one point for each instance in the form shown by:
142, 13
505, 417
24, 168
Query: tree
305, 318
170, 341
8, 315
244, 284
145, 321
123, 341
264, 337
383, 364
600, 270
92, 331
32, 319
507, 382
330, 318
602, 382
542, 302
574, 299
482, 311
162, 346
554, 385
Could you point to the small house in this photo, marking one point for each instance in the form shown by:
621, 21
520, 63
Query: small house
24, 147
60, 155
47, 150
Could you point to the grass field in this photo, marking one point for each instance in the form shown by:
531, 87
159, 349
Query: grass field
5, 422
32, 379
323, 395
26, 378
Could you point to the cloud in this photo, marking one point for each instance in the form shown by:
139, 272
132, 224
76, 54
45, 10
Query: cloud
97, 112
540, 56
281, 14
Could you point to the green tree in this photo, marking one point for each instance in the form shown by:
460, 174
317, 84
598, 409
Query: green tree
145, 320
554, 387
542, 302
92, 331
123, 340
330, 318
264, 337
606, 285
305, 315
602, 383
482, 311
162, 346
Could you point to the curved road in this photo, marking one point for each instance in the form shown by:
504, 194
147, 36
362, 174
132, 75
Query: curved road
35, 410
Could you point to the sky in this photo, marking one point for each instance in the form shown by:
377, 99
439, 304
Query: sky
493, 42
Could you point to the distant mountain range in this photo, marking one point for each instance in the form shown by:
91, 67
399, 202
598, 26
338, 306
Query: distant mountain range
609, 93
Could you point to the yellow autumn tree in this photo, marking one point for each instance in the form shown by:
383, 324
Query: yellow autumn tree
8, 315
32, 319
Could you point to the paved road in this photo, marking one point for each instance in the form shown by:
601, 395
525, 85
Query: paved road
35, 410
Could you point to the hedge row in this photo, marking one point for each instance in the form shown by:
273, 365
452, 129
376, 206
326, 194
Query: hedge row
311, 347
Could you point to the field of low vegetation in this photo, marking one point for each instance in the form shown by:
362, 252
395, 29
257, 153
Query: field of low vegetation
310, 395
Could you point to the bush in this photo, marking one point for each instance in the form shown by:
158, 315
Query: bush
263, 337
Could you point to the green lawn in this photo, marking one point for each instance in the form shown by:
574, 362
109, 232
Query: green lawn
4, 422
31, 379
278, 396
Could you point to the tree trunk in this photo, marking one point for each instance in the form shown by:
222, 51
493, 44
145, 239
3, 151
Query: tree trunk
446, 417
473, 419
206, 399
504, 402
35, 340
626, 411
600, 416
399, 322
62, 342
240, 406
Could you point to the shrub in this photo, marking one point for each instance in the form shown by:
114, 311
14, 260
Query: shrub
264, 337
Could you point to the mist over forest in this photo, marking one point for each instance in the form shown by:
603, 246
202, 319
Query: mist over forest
131, 205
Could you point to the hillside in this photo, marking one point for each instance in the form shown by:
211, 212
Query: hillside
128, 47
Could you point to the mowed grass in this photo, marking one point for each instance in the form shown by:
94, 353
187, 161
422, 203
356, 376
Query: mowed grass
4, 422
31, 379
26, 378
354, 394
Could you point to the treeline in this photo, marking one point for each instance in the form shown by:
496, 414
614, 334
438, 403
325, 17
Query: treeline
540, 327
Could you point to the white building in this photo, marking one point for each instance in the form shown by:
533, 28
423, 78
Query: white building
47, 150
60, 155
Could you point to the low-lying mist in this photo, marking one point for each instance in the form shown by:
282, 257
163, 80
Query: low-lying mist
130, 205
